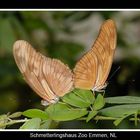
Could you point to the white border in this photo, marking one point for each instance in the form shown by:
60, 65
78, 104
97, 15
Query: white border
66, 130
75, 130
69, 9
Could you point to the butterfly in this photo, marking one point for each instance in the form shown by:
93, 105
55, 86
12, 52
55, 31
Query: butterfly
49, 78
92, 70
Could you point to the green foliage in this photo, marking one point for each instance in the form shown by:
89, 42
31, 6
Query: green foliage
123, 100
95, 110
35, 113
3, 121
49, 124
79, 98
99, 102
6, 119
74, 107
119, 120
31, 124
15, 115
91, 115
63, 112
120, 110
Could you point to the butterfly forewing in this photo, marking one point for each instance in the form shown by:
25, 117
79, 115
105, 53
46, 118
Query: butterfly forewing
49, 78
98, 60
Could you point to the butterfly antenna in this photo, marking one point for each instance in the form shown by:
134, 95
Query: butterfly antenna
114, 73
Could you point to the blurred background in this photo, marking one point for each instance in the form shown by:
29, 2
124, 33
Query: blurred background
66, 35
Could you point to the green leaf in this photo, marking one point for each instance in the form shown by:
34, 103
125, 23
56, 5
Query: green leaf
4, 116
63, 112
91, 114
119, 120
46, 124
15, 115
123, 100
3, 121
49, 124
86, 95
99, 102
36, 113
79, 98
32, 124
120, 110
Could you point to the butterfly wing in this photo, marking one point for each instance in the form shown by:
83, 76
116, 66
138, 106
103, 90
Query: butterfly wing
92, 70
85, 71
48, 77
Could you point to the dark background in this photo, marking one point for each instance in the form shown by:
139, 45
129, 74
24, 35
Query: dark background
62, 4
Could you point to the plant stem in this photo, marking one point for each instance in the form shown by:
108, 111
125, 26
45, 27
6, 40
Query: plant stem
100, 118
107, 118
13, 122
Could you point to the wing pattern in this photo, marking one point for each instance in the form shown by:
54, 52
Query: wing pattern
49, 78
95, 65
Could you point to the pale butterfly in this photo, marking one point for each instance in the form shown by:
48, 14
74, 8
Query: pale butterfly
49, 78
92, 70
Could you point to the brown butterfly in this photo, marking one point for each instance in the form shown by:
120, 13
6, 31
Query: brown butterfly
49, 78
92, 70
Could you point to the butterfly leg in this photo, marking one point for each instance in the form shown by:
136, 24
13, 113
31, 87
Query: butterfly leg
46, 103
